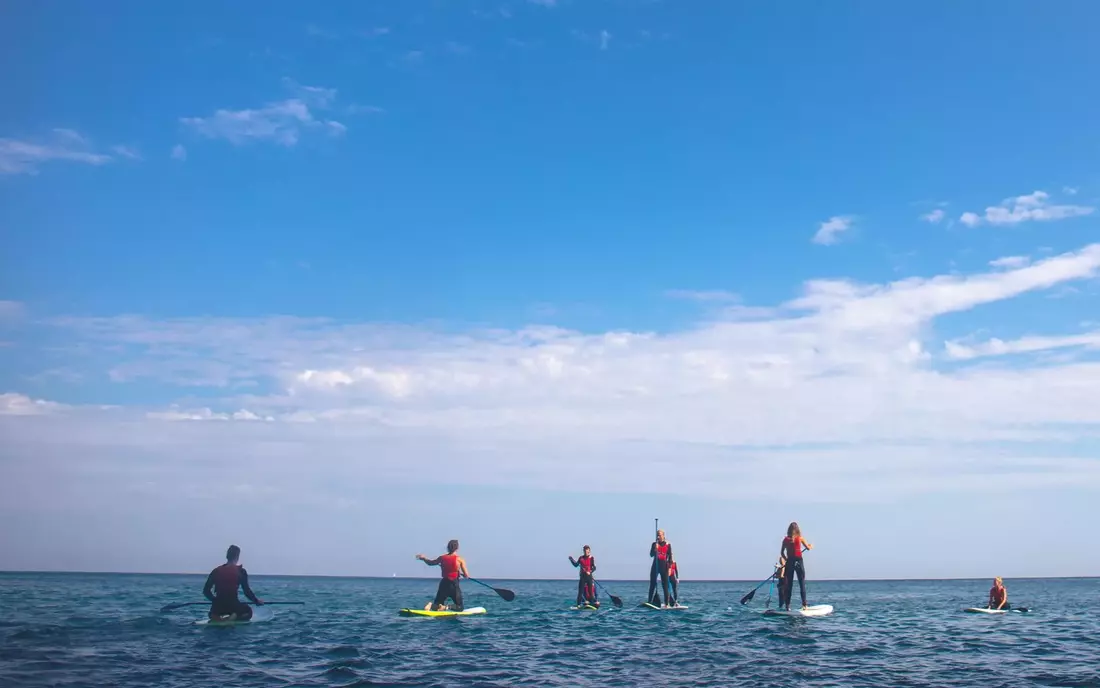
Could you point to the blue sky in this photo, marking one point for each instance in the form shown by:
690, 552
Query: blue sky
339, 283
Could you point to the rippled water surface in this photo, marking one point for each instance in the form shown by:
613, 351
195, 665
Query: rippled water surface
99, 630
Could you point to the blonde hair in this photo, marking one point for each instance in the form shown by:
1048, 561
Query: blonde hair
998, 580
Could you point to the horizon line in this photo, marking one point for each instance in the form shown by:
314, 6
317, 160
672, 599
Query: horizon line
521, 580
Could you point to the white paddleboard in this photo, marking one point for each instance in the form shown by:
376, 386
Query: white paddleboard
987, 610
663, 609
812, 610
259, 614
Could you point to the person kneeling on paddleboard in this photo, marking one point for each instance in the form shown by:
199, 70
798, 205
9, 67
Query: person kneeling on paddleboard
998, 595
586, 586
661, 551
452, 567
791, 550
224, 580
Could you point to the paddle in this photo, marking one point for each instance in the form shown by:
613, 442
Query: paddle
617, 601
170, 607
752, 593
507, 595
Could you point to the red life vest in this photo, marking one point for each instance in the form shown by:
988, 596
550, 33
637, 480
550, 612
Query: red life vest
449, 564
997, 595
672, 569
662, 552
587, 564
227, 578
793, 546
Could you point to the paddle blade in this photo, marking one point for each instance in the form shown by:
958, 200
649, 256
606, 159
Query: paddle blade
748, 598
617, 601
178, 605
508, 595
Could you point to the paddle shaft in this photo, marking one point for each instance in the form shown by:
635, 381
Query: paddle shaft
614, 600
506, 595
170, 607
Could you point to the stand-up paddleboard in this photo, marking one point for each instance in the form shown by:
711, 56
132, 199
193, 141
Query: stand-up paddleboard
259, 614
584, 608
813, 610
445, 612
987, 610
650, 605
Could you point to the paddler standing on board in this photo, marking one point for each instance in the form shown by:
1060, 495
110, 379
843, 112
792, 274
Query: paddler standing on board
661, 552
586, 586
998, 595
224, 581
791, 553
452, 567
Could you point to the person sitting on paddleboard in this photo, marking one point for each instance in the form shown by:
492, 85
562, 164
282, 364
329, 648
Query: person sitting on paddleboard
452, 567
791, 551
780, 575
661, 551
674, 580
224, 580
586, 587
998, 595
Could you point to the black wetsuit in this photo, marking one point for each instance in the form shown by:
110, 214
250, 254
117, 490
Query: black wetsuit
661, 557
586, 586
225, 580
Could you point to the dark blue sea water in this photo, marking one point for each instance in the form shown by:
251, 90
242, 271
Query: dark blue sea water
105, 630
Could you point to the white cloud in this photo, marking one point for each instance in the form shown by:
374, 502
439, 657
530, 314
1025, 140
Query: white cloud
831, 229
997, 347
179, 152
282, 122
970, 219
1010, 262
25, 157
1029, 207
934, 217
544, 3
377, 31
703, 295
605, 39
12, 404
126, 152
1070, 190
846, 383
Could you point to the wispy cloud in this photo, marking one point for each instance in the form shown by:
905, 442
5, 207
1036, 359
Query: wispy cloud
713, 295
63, 145
934, 217
1012, 262
179, 152
377, 32
456, 48
605, 39
848, 384
1070, 190
126, 152
544, 3
997, 347
602, 39
830, 230
1030, 207
283, 122
12, 404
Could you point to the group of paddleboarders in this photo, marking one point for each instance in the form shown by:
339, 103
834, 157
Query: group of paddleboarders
223, 582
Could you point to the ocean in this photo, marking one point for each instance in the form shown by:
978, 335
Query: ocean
105, 630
